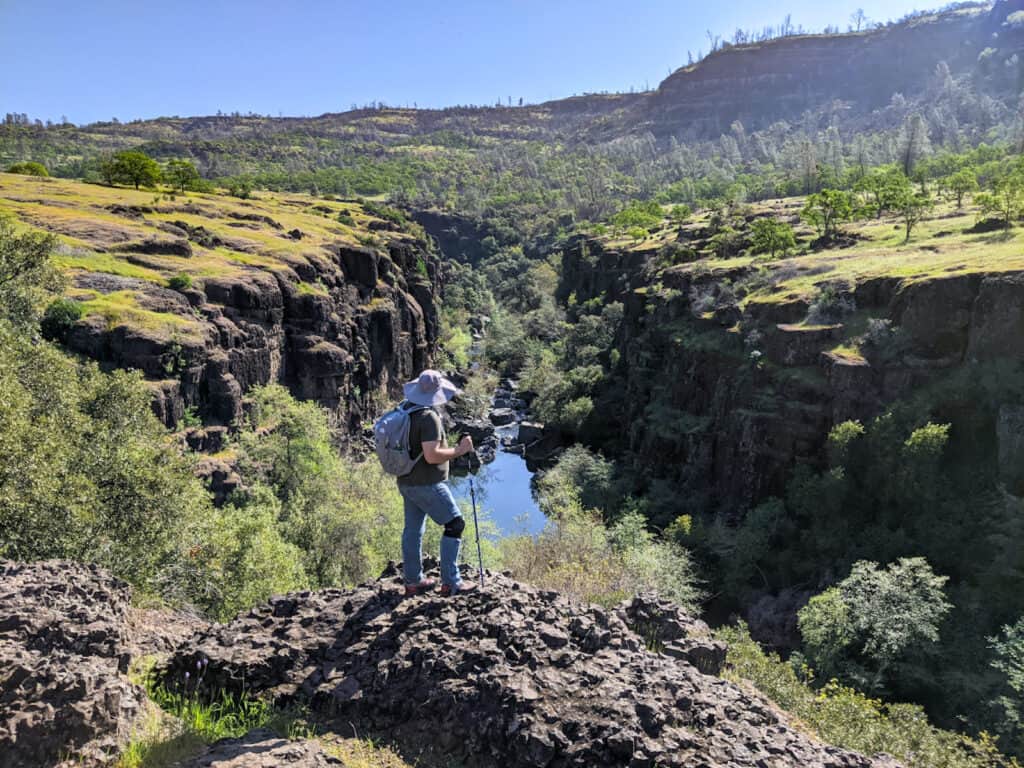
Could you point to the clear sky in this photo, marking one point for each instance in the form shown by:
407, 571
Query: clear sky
130, 59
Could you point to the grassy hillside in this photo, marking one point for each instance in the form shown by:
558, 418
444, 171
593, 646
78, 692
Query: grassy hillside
150, 238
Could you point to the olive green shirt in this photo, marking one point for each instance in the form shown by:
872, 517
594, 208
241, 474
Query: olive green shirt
424, 427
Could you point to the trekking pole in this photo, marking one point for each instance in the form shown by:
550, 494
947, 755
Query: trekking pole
476, 527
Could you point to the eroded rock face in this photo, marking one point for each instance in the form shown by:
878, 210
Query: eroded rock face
63, 652
514, 677
368, 325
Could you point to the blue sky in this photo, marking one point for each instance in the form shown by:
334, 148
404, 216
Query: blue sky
138, 59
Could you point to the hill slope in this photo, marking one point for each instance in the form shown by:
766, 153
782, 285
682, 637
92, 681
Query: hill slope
270, 290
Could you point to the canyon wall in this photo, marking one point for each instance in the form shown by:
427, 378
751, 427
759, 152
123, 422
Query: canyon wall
726, 398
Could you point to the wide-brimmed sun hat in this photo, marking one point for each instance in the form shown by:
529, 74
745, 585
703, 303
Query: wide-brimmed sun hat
431, 388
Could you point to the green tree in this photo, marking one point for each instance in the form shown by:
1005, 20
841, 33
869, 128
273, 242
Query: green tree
26, 275
912, 206
963, 182
1008, 659
131, 167
680, 214
646, 215
253, 559
771, 236
344, 518
827, 210
1006, 200
29, 168
88, 473
181, 175
874, 620
880, 186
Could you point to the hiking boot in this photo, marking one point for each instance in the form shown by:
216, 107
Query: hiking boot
419, 587
460, 589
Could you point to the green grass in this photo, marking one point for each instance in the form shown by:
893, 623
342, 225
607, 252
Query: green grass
846, 718
90, 261
180, 724
122, 308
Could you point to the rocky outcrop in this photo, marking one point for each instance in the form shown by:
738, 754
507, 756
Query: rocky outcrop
368, 323
263, 749
726, 398
64, 697
513, 676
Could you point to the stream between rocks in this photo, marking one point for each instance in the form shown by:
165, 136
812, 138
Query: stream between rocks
503, 483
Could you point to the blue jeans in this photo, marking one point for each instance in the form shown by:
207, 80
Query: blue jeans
437, 503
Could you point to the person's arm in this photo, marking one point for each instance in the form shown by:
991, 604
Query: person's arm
435, 453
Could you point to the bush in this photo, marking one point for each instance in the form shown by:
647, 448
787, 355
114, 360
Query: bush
874, 619
576, 555
346, 218
386, 212
59, 317
846, 718
830, 306
180, 282
241, 187
89, 474
29, 169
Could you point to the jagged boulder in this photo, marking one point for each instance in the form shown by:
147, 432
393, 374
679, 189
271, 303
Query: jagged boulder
262, 749
667, 629
513, 676
63, 655
501, 417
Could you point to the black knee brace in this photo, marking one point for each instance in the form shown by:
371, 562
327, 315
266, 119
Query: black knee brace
454, 528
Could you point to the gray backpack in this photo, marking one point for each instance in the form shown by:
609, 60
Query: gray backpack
391, 439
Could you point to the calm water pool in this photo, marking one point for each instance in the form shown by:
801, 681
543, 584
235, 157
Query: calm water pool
503, 490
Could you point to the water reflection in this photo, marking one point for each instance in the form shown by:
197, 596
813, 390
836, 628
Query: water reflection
503, 489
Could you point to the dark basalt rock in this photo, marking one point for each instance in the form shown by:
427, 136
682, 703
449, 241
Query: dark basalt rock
514, 677
262, 749
157, 247
663, 625
500, 417
63, 694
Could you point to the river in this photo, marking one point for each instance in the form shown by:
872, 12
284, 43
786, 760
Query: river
503, 491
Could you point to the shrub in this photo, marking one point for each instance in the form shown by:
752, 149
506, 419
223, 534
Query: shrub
346, 218
29, 168
579, 476
180, 282
386, 212
874, 618
846, 718
830, 306
59, 317
241, 187
578, 556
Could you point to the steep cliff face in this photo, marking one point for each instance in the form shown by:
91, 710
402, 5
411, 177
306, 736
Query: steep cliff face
725, 398
759, 84
264, 291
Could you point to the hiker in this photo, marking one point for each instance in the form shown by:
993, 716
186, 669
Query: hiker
424, 490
